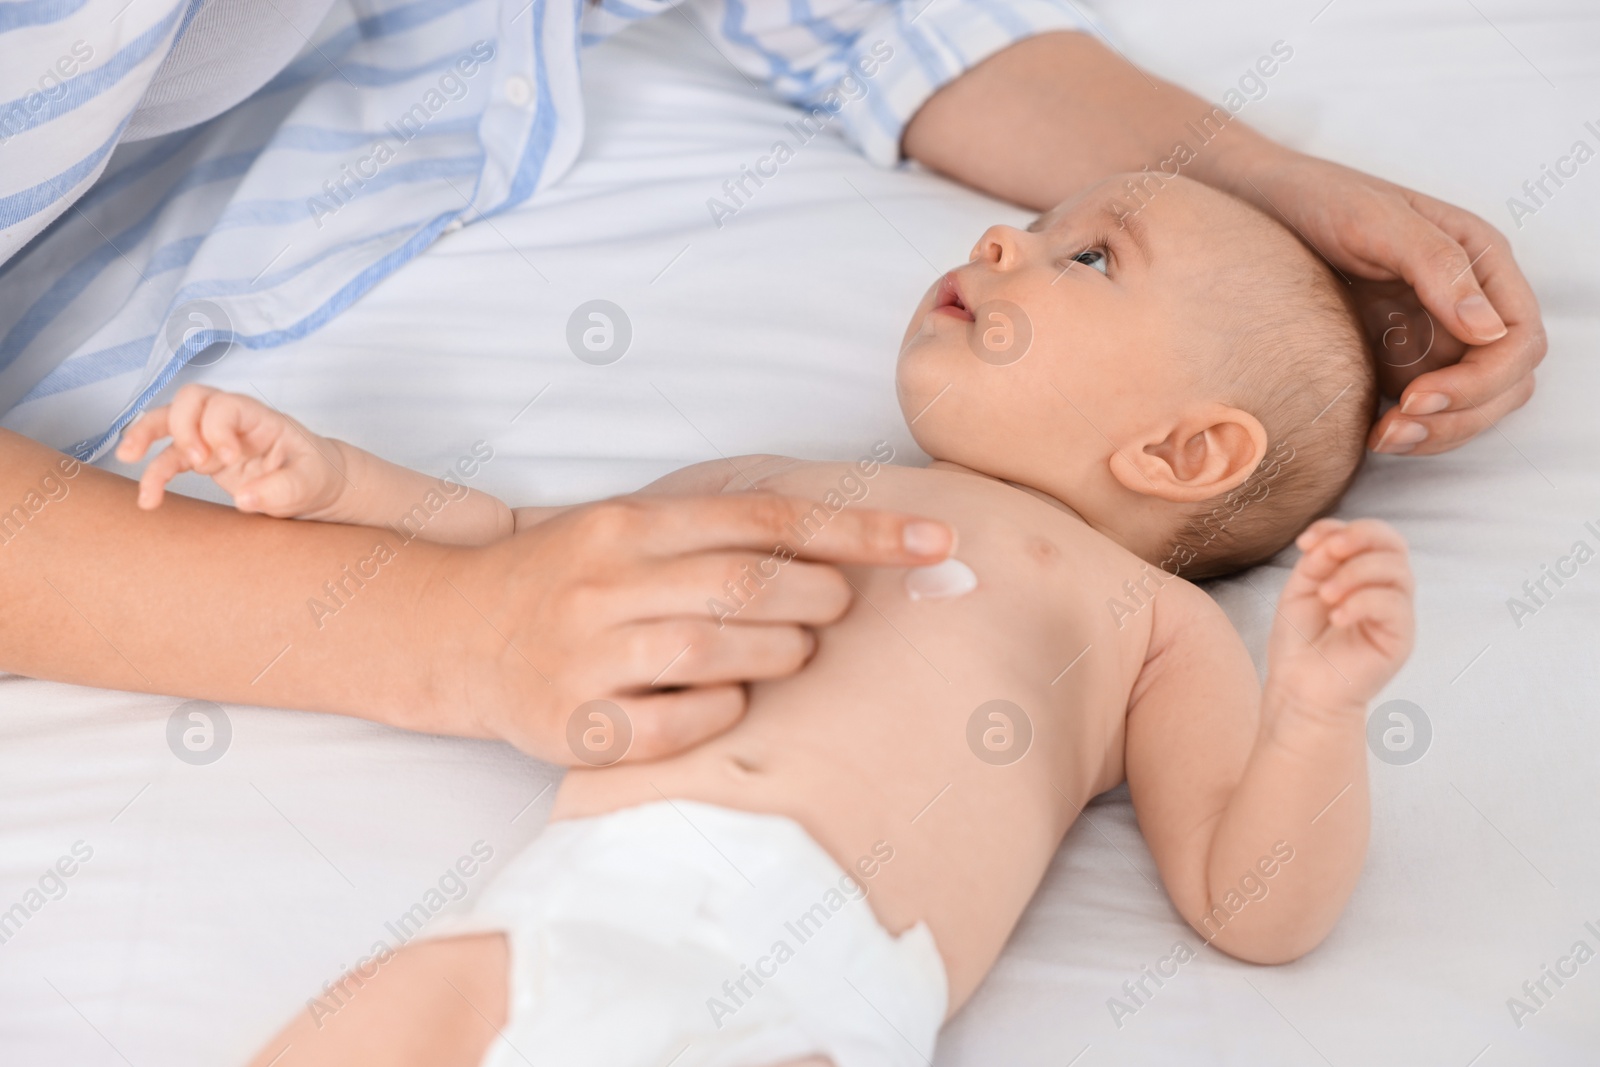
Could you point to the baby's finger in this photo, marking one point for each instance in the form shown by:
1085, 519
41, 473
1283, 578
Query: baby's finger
161, 470
279, 493
1338, 545
146, 431
222, 425
183, 423
1376, 605
1314, 534
1312, 569
1364, 535
1366, 569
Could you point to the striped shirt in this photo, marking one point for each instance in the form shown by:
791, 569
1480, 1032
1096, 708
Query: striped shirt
121, 263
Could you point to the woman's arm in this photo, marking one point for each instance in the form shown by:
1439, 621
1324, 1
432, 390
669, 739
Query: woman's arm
503, 640
199, 600
1055, 113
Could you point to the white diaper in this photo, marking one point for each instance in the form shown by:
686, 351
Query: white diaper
692, 935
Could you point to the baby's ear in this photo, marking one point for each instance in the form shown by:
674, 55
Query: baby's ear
1205, 454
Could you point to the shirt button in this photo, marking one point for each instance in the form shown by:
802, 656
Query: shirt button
519, 91
453, 225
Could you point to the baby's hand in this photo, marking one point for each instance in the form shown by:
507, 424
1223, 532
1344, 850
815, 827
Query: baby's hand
267, 461
1344, 622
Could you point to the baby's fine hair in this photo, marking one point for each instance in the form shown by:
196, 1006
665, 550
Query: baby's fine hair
1300, 362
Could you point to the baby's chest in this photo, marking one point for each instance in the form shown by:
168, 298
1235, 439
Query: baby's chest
1014, 611
1013, 691
1031, 596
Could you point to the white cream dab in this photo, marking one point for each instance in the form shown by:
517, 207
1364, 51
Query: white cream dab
952, 578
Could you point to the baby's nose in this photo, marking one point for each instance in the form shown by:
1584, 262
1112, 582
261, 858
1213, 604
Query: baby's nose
998, 247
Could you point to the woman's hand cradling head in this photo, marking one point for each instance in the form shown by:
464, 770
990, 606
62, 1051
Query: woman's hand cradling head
1454, 322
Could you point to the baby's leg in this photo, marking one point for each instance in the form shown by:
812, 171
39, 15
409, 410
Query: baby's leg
435, 1004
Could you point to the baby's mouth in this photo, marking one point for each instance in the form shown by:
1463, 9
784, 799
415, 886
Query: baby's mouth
947, 299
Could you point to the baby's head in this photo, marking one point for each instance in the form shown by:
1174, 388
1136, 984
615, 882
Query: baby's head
1186, 376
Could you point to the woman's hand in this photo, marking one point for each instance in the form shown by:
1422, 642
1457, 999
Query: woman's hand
1455, 325
609, 631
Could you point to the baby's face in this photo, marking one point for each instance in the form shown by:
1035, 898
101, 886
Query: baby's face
1054, 342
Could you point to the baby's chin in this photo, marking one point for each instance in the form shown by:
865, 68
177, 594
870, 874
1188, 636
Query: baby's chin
908, 404
917, 378
918, 324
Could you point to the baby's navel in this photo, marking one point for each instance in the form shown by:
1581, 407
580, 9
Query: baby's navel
743, 766
952, 578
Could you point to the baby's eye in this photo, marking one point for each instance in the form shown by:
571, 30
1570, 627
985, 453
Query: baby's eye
1092, 257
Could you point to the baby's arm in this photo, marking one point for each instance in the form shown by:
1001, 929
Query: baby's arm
1254, 803
271, 464
698, 479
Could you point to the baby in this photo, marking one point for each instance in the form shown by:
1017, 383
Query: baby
1116, 402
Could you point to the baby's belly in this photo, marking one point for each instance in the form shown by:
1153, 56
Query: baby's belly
934, 751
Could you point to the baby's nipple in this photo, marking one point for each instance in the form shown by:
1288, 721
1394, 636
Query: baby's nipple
941, 581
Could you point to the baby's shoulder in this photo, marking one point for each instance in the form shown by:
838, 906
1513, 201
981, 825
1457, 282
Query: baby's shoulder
1188, 629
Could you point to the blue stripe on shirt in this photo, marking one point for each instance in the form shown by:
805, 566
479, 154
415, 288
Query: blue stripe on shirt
20, 13
368, 76
242, 213
305, 138
530, 168
78, 277
325, 56
17, 118
161, 150
406, 17
1003, 16
802, 15
624, 10
733, 29
29, 202
95, 367
340, 300
933, 68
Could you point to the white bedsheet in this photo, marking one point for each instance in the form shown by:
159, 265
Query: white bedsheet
218, 898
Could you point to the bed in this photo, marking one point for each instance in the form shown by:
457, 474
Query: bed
209, 901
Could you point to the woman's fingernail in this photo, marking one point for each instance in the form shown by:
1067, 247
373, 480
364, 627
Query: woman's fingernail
196, 456
1401, 436
927, 538
1480, 318
940, 581
1424, 403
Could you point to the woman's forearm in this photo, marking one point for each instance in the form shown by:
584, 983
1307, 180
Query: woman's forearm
200, 601
1053, 114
